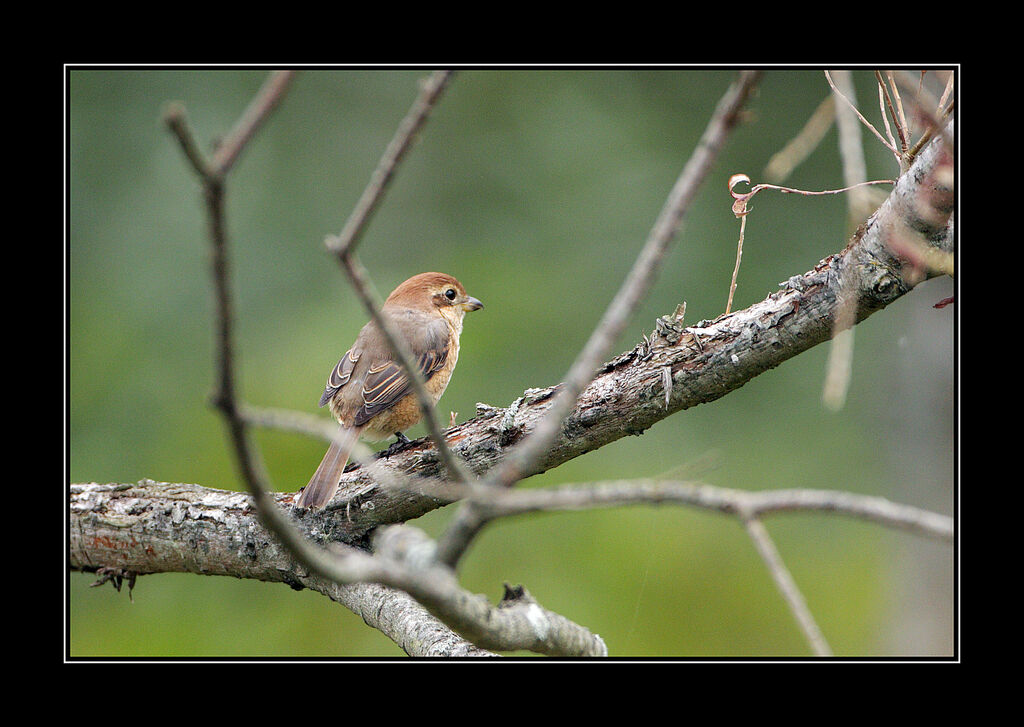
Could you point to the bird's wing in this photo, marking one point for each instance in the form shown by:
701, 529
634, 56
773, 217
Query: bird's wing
386, 383
340, 375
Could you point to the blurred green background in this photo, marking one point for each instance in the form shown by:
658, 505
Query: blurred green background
536, 188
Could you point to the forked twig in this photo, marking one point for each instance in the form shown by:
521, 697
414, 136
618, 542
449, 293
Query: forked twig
437, 592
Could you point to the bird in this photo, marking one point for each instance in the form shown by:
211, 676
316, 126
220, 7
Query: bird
369, 393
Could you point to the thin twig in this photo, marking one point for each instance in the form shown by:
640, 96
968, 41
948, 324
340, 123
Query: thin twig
177, 121
887, 103
617, 493
344, 244
900, 117
265, 101
524, 458
867, 123
430, 91
786, 585
736, 267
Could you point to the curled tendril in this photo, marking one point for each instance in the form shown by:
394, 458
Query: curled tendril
741, 199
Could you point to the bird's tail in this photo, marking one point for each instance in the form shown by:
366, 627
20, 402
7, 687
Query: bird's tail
324, 483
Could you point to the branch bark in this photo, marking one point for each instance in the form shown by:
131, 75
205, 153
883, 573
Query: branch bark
156, 527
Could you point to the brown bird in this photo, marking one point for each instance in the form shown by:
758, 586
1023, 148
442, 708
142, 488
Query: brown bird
369, 393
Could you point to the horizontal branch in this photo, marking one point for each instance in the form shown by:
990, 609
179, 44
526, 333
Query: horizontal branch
744, 503
154, 527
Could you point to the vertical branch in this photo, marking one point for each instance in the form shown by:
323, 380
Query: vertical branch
851, 153
213, 174
525, 457
343, 246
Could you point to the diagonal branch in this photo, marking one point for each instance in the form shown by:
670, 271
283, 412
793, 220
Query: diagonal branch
705, 361
344, 245
524, 458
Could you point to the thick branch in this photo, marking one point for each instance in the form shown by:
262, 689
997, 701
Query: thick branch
700, 363
156, 527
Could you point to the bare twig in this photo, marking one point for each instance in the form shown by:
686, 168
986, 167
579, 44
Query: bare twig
620, 310
736, 267
265, 101
786, 585
617, 493
431, 89
344, 245
897, 110
867, 123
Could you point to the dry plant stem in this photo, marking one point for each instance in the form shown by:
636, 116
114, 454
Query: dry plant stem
895, 112
344, 245
905, 130
736, 267
867, 123
524, 458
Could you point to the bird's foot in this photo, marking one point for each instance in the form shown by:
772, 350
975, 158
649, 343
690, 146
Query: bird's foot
402, 443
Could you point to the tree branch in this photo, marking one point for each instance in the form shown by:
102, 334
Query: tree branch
641, 276
701, 363
155, 527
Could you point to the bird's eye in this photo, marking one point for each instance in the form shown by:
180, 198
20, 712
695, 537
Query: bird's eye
450, 294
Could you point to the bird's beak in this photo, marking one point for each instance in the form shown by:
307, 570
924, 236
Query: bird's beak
471, 303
